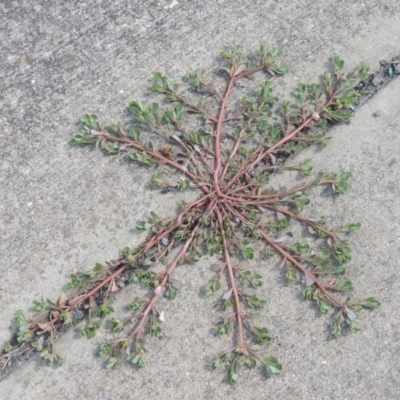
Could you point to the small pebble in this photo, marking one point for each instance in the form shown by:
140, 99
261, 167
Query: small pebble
78, 314
377, 80
397, 69
276, 323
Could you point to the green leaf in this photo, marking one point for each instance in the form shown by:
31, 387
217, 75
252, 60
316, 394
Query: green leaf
306, 167
110, 148
134, 133
361, 72
370, 302
143, 158
339, 270
146, 278
105, 350
308, 294
281, 69
103, 311
116, 325
82, 140
154, 330
112, 362
88, 331
300, 249
49, 357
337, 331
272, 366
114, 128
292, 274
217, 362
351, 228
225, 327
254, 301
345, 286
138, 360
355, 326
328, 79
91, 121
323, 305
248, 253
339, 63
98, 267
136, 305
233, 376
143, 226
250, 362
19, 319
262, 335
39, 306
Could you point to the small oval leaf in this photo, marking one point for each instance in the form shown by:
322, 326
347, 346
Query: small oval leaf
350, 314
282, 239
280, 216
248, 291
240, 69
226, 296
216, 267
309, 280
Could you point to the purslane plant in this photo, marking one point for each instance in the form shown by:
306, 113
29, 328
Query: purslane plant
228, 162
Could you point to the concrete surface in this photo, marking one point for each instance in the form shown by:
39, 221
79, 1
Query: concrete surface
63, 208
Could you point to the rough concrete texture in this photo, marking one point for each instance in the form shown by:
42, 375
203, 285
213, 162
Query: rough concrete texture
63, 208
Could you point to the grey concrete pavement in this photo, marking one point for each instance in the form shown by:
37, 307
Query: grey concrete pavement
62, 208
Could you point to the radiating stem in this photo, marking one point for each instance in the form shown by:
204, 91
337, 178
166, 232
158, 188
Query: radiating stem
159, 290
232, 281
300, 218
155, 155
81, 299
218, 132
303, 269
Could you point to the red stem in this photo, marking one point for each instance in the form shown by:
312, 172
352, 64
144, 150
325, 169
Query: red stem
299, 217
289, 257
285, 139
155, 155
238, 140
160, 288
232, 282
155, 239
218, 162
98, 287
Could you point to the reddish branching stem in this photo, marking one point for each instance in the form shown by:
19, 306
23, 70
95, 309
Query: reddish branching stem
159, 290
232, 281
303, 269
